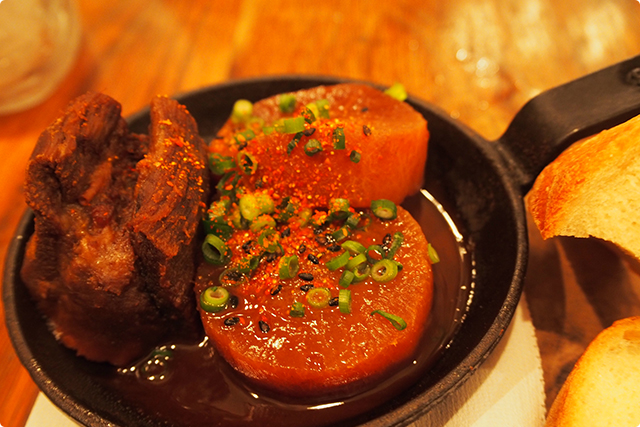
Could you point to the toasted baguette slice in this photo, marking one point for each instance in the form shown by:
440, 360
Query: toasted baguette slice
603, 387
593, 189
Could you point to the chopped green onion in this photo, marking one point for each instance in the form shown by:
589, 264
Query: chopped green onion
344, 301
323, 108
397, 91
288, 267
215, 251
313, 107
374, 253
361, 272
268, 130
294, 142
247, 162
297, 309
433, 254
293, 125
312, 147
338, 139
242, 111
308, 115
356, 261
353, 247
219, 164
354, 156
384, 270
241, 138
247, 265
263, 221
318, 297
398, 238
397, 321
338, 261
214, 299
341, 233
286, 210
253, 205
269, 240
287, 102
346, 278
384, 209
227, 184
231, 277
338, 209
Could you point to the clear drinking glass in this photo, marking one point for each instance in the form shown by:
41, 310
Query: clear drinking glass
39, 41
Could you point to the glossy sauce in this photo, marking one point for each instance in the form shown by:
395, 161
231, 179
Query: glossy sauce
191, 385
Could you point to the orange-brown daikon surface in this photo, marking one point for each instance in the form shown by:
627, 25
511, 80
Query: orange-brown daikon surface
389, 137
325, 352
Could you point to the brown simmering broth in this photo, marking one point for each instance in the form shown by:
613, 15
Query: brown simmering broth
191, 385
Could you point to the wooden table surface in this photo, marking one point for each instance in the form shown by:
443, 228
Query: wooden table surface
478, 60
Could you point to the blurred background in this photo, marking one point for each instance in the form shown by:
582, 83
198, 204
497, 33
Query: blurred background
479, 60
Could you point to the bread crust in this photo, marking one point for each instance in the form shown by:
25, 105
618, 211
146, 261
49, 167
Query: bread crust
587, 397
579, 193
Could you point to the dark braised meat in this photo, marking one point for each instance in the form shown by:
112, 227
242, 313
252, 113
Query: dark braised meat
112, 259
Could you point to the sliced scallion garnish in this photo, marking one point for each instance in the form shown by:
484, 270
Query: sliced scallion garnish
297, 309
355, 156
433, 254
318, 297
293, 124
397, 91
374, 253
323, 108
294, 142
219, 164
263, 221
308, 115
338, 139
397, 321
361, 272
242, 111
384, 270
312, 147
356, 261
246, 161
384, 209
353, 247
287, 102
338, 261
338, 209
346, 278
344, 301
398, 238
288, 267
214, 299
215, 250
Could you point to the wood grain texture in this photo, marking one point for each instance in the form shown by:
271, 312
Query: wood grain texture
478, 60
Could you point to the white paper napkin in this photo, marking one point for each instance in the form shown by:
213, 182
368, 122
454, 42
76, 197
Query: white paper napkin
507, 390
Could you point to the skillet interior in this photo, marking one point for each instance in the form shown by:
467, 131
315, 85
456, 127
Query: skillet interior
464, 172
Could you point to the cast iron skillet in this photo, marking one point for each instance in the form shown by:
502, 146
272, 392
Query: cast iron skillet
484, 180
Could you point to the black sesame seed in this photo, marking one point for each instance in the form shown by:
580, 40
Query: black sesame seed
308, 132
276, 290
302, 248
366, 130
233, 301
334, 248
270, 256
307, 277
333, 302
232, 275
364, 109
318, 230
264, 326
230, 321
248, 245
305, 288
314, 259
286, 232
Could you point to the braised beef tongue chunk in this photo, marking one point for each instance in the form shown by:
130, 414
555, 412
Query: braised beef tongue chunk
112, 258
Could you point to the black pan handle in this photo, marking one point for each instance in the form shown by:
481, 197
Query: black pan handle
556, 118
